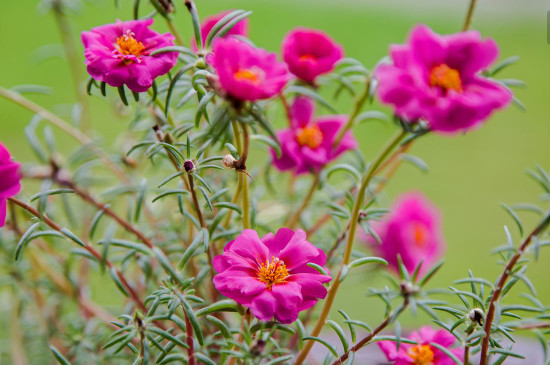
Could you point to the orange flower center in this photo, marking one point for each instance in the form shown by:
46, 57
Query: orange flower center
421, 355
446, 78
309, 136
273, 273
307, 58
128, 45
244, 74
420, 234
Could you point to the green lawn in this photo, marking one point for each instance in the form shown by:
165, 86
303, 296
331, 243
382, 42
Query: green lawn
469, 175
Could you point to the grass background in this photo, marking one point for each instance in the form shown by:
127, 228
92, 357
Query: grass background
469, 174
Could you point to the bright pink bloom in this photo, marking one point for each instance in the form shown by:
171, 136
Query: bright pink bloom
411, 230
310, 53
308, 145
241, 28
10, 180
248, 73
119, 54
423, 353
270, 275
437, 78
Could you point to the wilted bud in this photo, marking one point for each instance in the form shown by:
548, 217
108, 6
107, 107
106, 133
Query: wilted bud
229, 161
189, 166
476, 315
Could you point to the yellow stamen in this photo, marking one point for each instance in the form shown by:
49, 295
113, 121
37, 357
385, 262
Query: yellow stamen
309, 136
307, 57
420, 234
244, 74
446, 78
272, 273
421, 355
128, 45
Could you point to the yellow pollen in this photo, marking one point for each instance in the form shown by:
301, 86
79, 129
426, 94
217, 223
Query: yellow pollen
128, 45
421, 355
420, 234
307, 57
309, 136
244, 74
272, 273
446, 78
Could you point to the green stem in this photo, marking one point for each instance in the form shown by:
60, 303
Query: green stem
354, 220
469, 15
357, 106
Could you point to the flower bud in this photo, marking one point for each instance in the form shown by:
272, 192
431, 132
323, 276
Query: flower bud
189, 166
476, 315
229, 161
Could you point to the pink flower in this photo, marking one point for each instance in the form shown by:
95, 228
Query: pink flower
10, 180
423, 353
309, 143
270, 275
240, 28
411, 230
119, 54
248, 73
310, 53
437, 78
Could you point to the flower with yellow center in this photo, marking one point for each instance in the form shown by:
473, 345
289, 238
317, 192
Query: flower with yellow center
421, 355
273, 273
127, 45
310, 136
446, 78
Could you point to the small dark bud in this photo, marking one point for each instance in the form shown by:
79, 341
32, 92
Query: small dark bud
258, 348
476, 315
167, 6
408, 289
189, 166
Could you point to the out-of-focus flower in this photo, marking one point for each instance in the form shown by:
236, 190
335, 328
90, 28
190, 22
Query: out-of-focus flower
423, 353
308, 145
437, 78
270, 275
10, 180
119, 54
248, 73
411, 230
240, 28
310, 53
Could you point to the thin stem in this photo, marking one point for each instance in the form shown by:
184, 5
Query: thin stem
195, 200
469, 15
162, 107
245, 201
189, 340
66, 127
174, 31
357, 106
75, 65
500, 285
467, 348
371, 335
354, 220
240, 166
295, 218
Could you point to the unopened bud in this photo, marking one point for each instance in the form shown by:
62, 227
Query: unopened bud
476, 315
189, 166
229, 161
408, 288
165, 6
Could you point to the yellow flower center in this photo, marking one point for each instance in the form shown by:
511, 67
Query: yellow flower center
128, 45
420, 234
251, 76
307, 57
309, 136
272, 273
446, 78
421, 355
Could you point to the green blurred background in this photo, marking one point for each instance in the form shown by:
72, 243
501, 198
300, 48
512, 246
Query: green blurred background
470, 175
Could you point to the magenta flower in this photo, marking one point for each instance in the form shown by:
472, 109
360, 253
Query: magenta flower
270, 275
411, 230
240, 28
10, 180
437, 78
248, 73
310, 53
119, 54
308, 145
423, 353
